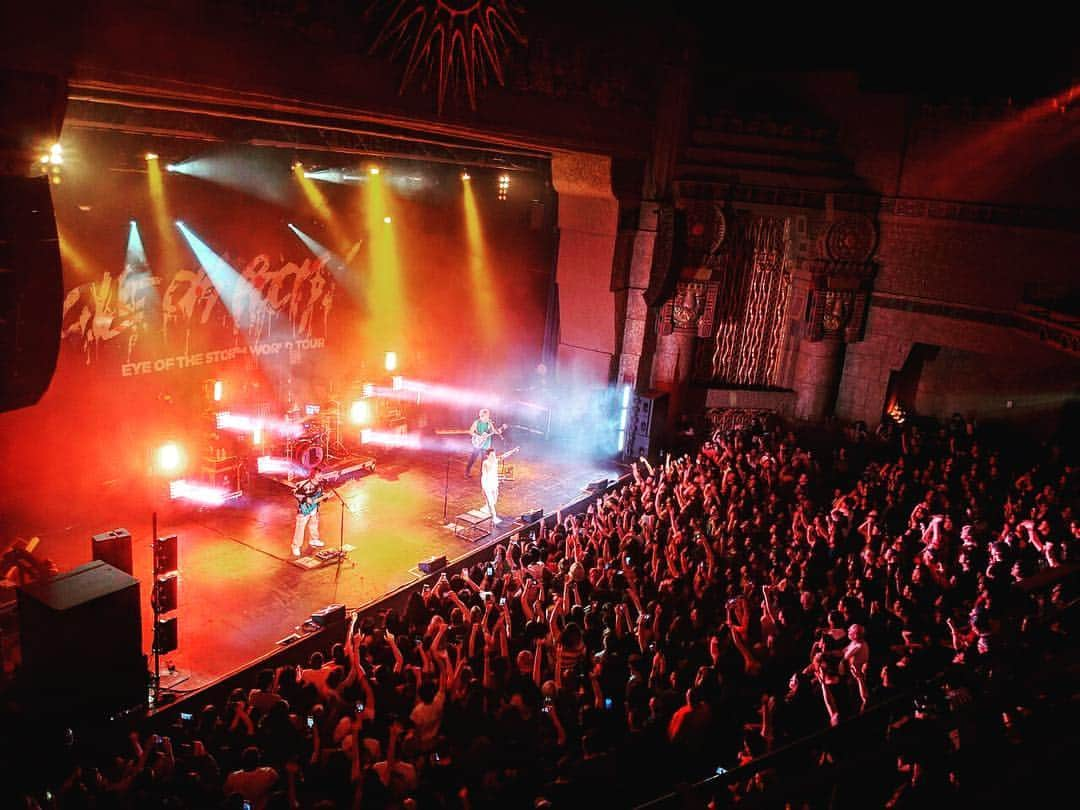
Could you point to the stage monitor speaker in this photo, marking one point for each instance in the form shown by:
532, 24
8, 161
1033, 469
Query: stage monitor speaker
31, 291
432, 564
331, 614
645, 428
81, 638
597, 486
532, 517
114, 548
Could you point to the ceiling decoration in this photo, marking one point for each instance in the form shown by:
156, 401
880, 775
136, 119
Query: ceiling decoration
453, 44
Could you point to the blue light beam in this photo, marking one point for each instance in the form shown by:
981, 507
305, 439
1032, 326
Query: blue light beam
349, 280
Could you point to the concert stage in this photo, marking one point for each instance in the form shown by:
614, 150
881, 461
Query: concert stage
240, 592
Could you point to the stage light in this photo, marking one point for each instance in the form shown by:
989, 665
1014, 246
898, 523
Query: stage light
504, 187
373, 170
219, 390
369, 389
390, 439
397, 383
151, 156
275, 465
197, 493
256, 436
298, 166
56, 180
169, 457
465, 176
390, 363
56, 154
624, 416
44, 158
387, 220
360, 412
171, 167
165, 595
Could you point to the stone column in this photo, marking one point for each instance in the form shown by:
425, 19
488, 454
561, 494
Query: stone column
818, 369
673, 366
841, 278
630, 288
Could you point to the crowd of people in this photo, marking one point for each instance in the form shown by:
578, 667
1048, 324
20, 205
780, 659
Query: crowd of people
711, 610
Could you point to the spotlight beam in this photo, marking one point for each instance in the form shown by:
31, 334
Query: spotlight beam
480, 276
337, 265
243, 302
385, 291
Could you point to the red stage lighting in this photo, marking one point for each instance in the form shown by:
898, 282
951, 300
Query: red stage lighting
169, 457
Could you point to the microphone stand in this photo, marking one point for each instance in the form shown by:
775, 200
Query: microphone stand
445, 489
341, 528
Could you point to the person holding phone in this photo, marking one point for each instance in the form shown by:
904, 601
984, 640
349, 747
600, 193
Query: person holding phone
253, 781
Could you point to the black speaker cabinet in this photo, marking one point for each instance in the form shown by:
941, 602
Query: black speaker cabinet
81, 638
114, 548
645, 427
31, 290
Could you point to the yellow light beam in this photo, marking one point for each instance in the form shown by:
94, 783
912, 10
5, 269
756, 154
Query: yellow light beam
322, 208
386, 300
487, 313
163, 221
75, 260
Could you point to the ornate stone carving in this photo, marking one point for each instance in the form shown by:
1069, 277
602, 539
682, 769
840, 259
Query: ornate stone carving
458, 44
691, 309
851, 239
841, 278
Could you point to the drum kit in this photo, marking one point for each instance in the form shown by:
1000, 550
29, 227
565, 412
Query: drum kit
319, 438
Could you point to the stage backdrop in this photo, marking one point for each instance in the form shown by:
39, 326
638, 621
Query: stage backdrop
154, 311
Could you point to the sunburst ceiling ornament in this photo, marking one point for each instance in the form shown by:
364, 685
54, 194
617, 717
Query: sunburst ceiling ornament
454, 42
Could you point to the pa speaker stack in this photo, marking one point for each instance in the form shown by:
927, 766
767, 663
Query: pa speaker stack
81, 637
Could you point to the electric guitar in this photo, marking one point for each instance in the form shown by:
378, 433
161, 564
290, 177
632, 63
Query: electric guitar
309, 503
479, 439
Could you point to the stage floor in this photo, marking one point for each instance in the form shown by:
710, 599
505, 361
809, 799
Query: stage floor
240, 592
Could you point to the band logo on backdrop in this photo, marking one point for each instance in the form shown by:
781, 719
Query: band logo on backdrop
137, 324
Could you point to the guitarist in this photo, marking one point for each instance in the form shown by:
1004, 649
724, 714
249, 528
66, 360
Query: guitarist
308, 493
481, 431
